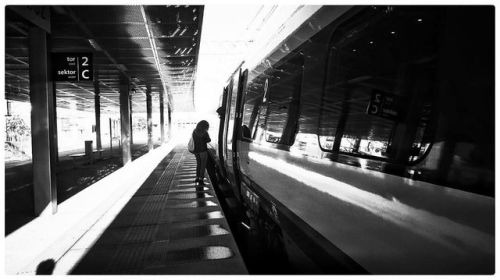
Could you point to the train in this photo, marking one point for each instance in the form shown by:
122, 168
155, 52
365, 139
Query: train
364, 141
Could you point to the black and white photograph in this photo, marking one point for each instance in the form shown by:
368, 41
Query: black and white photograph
248, 138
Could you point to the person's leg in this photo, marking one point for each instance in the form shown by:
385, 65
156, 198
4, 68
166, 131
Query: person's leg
198, 166
203, 164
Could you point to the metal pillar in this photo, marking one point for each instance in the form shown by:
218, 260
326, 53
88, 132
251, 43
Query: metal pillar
125, 117
131, 126
169, 122
149, 111
110, 137
162, 118
52, 88
339, 133
42, 124
97, 107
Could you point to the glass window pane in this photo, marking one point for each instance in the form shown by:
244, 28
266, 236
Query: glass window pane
254, 95
283, 104
379, 65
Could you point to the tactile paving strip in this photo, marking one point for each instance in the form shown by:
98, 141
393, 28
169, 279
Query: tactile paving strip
169, 226
167, 233
194, 217
200, 253
196, 195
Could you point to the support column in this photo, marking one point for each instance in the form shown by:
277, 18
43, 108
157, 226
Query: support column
339, 133
125, 117
55, 142
131, 126
162, 118
169, 122
110, 137
53, 131
97, 107
42, 125
149, 111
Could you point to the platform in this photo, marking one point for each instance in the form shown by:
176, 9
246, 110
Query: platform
169, 226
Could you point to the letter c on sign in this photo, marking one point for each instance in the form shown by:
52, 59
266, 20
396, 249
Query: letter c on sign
85, 74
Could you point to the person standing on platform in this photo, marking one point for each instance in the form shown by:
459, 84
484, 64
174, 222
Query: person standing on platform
201, 138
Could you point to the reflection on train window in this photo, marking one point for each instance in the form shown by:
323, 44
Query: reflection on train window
283, 101
233, 90
256, 87
380, 80
326, 142
260, 125
306, 144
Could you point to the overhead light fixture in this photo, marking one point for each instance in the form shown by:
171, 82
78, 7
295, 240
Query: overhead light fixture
183, 31
176, 31
94, 45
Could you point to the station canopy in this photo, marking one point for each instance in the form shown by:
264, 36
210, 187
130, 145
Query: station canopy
155, 46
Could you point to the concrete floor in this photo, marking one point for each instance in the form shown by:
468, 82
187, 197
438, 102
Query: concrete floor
72, 177
79, 220
169, 226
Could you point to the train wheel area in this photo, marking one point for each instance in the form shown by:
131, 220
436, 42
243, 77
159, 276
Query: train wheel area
262, 251
277, 248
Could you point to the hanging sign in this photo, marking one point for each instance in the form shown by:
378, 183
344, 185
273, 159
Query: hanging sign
72, 67
385, 105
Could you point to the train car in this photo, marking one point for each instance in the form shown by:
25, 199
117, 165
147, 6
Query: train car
364, 142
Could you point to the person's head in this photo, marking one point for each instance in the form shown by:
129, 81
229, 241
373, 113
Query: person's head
202, 126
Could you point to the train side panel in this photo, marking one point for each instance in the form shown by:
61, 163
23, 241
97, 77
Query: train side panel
386, 223
367, 134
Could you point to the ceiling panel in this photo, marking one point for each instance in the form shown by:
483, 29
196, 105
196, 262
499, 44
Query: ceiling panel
155, 46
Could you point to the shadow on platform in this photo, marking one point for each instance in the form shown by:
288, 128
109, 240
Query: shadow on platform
73, 176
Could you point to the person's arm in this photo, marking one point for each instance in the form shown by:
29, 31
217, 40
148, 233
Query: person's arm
207, 138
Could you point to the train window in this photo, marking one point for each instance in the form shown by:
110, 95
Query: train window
252, 109
232, 108
260, 125
283, 101
380, 82
463, 149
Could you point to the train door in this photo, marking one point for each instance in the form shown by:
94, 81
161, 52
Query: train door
221, 149
230, 134
237, 131
230, 118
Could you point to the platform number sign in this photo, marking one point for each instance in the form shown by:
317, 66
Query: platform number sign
385, 105
72, 67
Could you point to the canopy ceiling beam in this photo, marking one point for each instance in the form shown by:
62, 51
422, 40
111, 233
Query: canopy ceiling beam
89, 34
152, 43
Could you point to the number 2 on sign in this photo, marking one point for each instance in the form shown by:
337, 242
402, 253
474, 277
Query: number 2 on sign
86, 63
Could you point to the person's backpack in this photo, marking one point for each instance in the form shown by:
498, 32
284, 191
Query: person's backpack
191, 145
